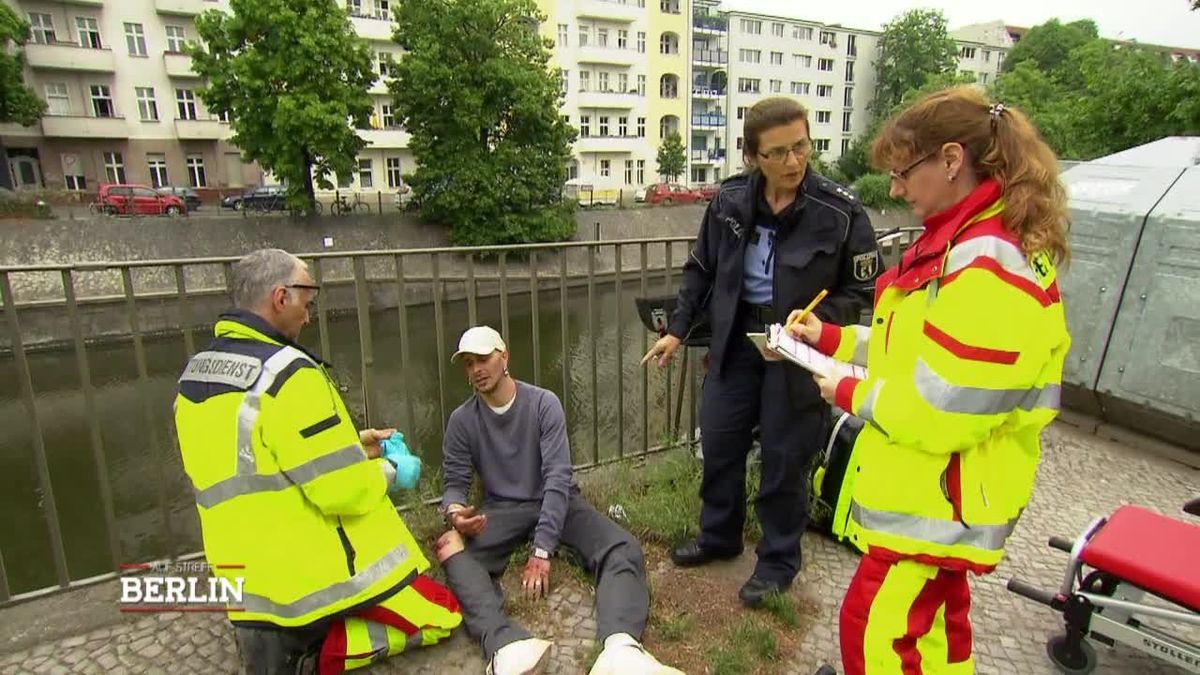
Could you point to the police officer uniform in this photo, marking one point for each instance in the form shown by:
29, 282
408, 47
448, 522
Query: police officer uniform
751, 267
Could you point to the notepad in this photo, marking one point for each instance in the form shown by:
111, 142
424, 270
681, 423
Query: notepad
779, 340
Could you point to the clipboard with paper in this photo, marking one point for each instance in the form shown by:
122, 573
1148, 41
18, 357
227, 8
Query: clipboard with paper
777, 339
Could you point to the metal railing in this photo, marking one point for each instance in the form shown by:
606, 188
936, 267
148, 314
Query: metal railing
713, 56
709, 119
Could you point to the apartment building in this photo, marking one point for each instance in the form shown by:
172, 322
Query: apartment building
982, 48
708, 143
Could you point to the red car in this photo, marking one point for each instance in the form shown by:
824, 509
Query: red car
137, 200
672, 193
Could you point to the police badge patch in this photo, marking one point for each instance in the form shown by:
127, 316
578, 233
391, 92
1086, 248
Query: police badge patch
865, 265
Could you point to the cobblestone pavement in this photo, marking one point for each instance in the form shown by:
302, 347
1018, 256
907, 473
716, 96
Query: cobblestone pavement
1082, 476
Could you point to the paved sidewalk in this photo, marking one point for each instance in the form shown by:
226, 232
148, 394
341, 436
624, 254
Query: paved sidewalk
1082, 476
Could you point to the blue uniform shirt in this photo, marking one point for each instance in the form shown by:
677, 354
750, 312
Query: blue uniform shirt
759, 263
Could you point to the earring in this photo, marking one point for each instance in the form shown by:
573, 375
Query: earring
506, 372
950, 177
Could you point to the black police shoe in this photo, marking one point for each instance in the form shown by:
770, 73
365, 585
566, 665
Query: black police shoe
825, 670
756, 590
692, 554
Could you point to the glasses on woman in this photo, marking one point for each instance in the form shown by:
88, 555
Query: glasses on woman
902, 175
800, 149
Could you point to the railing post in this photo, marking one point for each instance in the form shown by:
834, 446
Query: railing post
620, 356
440, 332
533, 310
591, 324
402, 309
366, 345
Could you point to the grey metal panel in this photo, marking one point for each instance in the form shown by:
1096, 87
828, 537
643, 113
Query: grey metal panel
1154, 357
1109, 205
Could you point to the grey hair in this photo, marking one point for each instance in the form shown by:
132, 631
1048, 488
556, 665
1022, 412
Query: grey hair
259, 272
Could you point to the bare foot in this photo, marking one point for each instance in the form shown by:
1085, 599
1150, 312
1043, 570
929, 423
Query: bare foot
449, 545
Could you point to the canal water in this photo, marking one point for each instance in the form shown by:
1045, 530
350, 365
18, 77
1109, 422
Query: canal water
144, 474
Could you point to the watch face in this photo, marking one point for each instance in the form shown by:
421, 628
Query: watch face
541, 553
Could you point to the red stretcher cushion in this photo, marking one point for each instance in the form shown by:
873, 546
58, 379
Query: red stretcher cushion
1156, 553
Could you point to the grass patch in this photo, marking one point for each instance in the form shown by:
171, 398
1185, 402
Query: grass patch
750, 641
674, 629
783, 607
727, 660
758, 640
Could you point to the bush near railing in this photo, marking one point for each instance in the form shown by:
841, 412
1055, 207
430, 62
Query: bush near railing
23, 205
872, 190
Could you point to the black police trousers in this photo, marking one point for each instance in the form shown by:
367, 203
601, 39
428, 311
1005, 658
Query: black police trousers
748, 392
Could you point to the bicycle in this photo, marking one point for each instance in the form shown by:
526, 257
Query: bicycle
341, 206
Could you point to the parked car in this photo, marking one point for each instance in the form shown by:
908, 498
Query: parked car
709, 191
187, 194
672, 193
124, 199
266, 198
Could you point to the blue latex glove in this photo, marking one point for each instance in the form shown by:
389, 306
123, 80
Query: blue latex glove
408, 466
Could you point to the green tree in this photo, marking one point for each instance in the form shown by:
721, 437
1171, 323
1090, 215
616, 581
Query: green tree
1050, 106
477, 94
293, 76
672, 158
1049, 46
913, 46
18, 103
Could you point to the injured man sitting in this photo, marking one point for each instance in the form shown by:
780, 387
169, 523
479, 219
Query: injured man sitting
514, 436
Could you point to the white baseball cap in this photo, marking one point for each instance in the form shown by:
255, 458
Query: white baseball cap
481, 340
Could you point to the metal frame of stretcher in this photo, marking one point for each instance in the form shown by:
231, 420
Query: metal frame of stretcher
1105, 608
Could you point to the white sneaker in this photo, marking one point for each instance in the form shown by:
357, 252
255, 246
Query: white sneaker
523, 657
624, 655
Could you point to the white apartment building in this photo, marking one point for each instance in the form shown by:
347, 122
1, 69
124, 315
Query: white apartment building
982, 48
708, 142
828, 68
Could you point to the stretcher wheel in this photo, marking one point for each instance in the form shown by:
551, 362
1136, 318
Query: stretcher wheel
1078, 659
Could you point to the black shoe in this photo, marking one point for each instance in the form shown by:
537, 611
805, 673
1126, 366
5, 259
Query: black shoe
826, 670
692, 554
757, 589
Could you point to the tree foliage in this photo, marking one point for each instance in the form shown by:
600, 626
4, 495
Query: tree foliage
672, 158
18, 103
477, 94
293, 75
913, 47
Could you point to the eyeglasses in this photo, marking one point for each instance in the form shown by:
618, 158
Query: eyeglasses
800, 149
902, 175
307, 287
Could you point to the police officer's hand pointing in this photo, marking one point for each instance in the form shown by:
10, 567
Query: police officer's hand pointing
664, 350
808, 330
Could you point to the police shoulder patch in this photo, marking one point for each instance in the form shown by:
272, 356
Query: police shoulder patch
865, 265
235, 370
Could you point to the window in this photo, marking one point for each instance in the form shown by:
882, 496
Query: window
563, 35
72, 173
751, 27
987, 56
629, 172
983, 78
185, 100
825, 64
42, 28
623, 126
175, 39
602, 81
967, 52
777, 58
366, 174
777, 29
395, 177
135, 39
383, 9
776, 86
603, 126
147, 105
824, 90
102, 104
58, 103
585, 35
823, 116
605, 168
669, 6
585, 80
845, 145
748, 85
802, 32
114, 167
641, 42
354, 7
668, 43
641, 85
668, 86
802, 60
850, 71
89, 32
573, 170
828, 38
622, 39
158, 170
196, 175
564, 80
846, 121
749, 56
641, 171
800, 88
585, 126
741, 112
821, 144
851, 45
848, 97
389, 118
601, 37
641, 131
699, 173
739, 143
385, 64
623, 83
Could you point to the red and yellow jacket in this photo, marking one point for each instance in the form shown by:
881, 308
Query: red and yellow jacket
964, 359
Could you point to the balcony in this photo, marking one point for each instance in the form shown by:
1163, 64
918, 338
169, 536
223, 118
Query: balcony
179, 66
379, 87
710, 25
372, 26
201, 130
708, 93
84, 3
621, 144
70, 126
710, 58
69, 56
184, 7
385, 138
608, 55
609, 99
708, 121
708, 156
623, 11
14, 130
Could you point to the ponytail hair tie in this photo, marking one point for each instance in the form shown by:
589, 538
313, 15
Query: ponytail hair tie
996, 110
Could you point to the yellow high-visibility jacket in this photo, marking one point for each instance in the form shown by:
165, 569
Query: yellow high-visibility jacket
964, 359
283, 486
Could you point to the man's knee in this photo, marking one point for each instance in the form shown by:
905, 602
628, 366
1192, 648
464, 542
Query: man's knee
625, 553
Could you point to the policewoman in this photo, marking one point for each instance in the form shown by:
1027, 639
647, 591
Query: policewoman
771, 240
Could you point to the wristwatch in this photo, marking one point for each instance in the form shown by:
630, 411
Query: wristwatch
541, 553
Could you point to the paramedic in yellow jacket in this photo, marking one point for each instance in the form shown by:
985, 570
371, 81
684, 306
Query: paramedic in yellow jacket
964, 360
290, 492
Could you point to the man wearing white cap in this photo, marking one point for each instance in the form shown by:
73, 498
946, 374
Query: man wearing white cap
514, 435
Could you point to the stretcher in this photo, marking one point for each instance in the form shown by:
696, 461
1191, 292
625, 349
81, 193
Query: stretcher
1118, 566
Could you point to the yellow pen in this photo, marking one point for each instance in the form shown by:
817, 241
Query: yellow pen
811, 306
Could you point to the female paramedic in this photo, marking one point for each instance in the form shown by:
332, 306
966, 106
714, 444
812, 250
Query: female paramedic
964, 361
771, 240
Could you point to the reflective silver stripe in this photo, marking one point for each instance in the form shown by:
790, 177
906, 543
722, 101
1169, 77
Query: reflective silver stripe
1010, 257
247, 414
862, 338
377, 634
695, 257
948, 397
867, 409
330, 595
236, 486
945, 532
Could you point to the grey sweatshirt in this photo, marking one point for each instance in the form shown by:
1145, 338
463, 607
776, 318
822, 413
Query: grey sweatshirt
522, 455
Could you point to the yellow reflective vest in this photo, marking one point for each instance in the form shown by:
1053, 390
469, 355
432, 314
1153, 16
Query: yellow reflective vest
964, 358
285, 492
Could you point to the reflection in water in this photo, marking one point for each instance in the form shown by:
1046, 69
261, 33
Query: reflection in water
136, 469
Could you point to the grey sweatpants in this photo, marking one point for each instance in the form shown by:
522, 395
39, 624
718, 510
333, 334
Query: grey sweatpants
611, 555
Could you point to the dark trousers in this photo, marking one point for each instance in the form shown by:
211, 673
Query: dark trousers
610, 554
279, 651
751, 392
